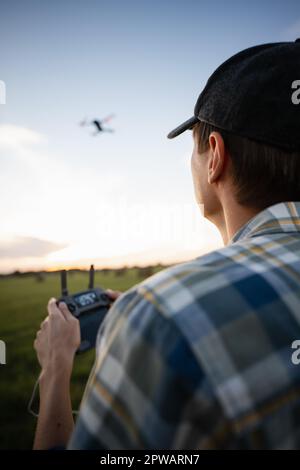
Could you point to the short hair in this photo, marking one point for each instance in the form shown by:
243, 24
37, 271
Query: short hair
262, 174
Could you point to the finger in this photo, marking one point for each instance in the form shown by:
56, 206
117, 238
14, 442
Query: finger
44, 323
65, 311
113, 294
36, 341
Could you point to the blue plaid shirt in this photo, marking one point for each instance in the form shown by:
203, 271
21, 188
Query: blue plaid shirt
198, 356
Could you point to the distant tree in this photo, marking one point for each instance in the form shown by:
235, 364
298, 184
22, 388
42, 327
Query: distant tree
40, 277
121, 271
105, 271
145, 272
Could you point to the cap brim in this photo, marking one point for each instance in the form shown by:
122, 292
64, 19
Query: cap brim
189, 124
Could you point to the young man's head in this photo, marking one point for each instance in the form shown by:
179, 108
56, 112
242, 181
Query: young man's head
246, 129
254, 175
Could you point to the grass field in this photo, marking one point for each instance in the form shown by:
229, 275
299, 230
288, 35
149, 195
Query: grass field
23, 301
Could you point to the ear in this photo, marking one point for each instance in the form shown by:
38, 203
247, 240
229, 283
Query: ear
217, 157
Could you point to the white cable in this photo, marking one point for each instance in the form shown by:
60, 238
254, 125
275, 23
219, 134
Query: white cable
29, 406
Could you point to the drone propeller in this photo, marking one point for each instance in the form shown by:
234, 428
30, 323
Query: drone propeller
107, 118
83, 122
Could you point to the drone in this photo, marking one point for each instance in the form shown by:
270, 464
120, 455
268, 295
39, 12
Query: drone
98, 123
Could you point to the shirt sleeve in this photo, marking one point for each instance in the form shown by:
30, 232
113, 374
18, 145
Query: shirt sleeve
141, 391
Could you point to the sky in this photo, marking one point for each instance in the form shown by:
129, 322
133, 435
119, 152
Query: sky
69, 198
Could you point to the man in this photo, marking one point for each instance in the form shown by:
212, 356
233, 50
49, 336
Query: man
200, 355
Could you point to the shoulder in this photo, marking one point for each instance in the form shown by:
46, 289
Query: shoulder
190, 299
176, 288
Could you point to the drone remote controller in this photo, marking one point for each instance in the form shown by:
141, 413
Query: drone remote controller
89, 306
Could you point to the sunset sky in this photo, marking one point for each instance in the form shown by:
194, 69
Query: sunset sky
69, 198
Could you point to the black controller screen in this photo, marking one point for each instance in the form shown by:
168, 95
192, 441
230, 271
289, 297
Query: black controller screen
83, 300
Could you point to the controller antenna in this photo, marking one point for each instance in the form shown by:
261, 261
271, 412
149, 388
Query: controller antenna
63, 281
91, 279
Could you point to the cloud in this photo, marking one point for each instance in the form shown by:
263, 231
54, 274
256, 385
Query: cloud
15, 136
23, 247
41, 193
88, 211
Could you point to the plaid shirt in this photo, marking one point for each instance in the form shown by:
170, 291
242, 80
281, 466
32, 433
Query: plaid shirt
199, 355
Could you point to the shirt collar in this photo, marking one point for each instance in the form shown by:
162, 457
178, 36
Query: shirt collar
279, 218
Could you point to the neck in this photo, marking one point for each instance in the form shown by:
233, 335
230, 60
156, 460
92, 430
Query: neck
231, 217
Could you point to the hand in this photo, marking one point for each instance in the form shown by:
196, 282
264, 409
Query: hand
58, 339
113, 294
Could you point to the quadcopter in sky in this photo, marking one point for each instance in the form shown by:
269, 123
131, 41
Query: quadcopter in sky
98, 124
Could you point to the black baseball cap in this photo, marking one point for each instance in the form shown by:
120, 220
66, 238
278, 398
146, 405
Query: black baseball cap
254, 94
